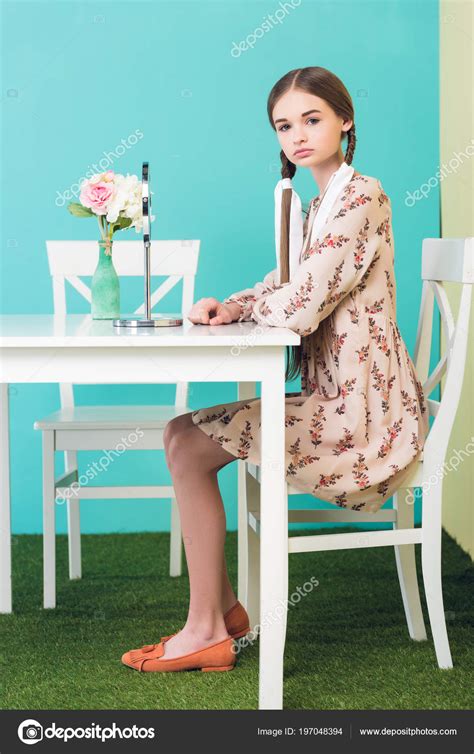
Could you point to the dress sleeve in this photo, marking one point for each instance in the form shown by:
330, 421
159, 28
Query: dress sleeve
333, 265
248, 296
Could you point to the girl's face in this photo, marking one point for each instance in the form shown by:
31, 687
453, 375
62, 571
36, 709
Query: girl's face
304, 121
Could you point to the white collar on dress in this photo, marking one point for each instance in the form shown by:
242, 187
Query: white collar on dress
337, 182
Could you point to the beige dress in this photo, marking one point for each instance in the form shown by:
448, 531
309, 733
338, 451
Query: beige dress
358, 425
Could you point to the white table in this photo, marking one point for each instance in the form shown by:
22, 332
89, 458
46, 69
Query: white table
74, 348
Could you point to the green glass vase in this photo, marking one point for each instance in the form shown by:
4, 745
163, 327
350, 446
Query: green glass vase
105, 288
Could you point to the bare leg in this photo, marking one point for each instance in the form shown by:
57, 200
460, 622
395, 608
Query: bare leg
194, 460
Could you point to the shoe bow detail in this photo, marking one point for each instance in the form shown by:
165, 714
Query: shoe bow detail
148, 652
149, 647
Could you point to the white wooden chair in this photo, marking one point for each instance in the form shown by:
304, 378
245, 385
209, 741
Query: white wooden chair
74, 428
442, 260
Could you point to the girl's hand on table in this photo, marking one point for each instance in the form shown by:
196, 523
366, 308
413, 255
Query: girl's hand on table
210, 311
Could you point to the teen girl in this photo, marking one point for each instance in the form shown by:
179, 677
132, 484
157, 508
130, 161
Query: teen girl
360, 421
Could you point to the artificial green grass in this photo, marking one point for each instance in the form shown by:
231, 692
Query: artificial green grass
347, 644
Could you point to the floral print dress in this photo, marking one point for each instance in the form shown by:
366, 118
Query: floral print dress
358, 426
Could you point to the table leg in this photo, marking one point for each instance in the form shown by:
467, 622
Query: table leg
273, 534
5, 510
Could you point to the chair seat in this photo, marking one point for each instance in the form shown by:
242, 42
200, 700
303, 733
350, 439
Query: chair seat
110, 417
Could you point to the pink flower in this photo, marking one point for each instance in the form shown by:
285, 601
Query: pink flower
97, 196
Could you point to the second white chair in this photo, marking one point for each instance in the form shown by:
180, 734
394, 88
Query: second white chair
73, 428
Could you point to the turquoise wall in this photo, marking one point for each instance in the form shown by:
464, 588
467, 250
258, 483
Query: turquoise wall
82, 80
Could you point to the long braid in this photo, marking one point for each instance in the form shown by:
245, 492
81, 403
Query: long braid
351, 144
288, 169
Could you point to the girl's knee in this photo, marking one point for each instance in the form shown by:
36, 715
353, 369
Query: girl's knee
175, 426
182, 452
191, 450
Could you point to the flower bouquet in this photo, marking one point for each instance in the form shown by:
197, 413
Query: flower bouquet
116, 201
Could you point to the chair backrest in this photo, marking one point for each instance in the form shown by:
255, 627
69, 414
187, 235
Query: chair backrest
444, 260
175, 259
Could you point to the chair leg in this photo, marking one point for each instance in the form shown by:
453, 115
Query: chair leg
73, 523
49, 521
242, 534
431, 566
252, 568
406, 566
245, 390
175, 540
253, 589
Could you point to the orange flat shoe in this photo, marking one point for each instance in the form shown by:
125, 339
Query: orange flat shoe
236, 621
215, 657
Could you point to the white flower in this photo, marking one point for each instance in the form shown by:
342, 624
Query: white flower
124, 199
118, 200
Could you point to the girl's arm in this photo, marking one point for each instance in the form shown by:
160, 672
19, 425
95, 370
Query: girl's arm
332, 266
